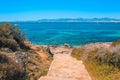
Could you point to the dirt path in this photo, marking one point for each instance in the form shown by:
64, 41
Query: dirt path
65, 67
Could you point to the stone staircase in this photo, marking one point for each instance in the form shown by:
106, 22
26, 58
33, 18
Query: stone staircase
65, 67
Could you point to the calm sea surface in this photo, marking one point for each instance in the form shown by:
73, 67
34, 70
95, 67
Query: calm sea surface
72, 33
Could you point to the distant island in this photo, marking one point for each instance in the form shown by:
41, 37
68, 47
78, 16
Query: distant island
80, 20
72, 20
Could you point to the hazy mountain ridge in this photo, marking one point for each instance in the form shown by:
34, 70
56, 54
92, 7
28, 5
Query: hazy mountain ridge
72, 20
80, 20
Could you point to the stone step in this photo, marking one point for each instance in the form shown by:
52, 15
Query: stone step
65, 67
56, 78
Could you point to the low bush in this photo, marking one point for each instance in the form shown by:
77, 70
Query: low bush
17, 60
9, 69
11, 37
101, 60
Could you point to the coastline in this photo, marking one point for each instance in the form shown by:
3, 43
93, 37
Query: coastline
16, 50
69, 46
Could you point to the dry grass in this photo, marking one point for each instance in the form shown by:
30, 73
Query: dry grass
102, 71
17, 60
77, 53
35, 68
11, 37
101, 62
115, 43
16, 66
9, 69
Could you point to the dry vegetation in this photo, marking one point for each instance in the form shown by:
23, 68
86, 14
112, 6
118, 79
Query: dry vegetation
101, 60
17, 60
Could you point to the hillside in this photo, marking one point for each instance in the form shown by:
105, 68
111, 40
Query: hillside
101, 59
20, 59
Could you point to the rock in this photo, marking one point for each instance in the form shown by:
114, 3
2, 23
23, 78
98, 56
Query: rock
67, 45
6, 50
48, 50
53, 46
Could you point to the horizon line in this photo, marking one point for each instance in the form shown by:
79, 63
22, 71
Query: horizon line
59, 18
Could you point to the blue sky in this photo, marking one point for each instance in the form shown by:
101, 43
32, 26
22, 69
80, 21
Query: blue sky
16, 10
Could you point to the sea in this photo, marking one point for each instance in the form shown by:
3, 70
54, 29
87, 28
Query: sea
72, 33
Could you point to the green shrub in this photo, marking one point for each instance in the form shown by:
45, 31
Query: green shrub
12, 37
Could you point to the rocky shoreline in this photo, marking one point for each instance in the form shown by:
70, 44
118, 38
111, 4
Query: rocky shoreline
44, 53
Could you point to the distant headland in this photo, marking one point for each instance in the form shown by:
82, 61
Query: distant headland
71, 20
80, 20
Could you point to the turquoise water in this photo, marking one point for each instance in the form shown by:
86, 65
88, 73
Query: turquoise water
70, 32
